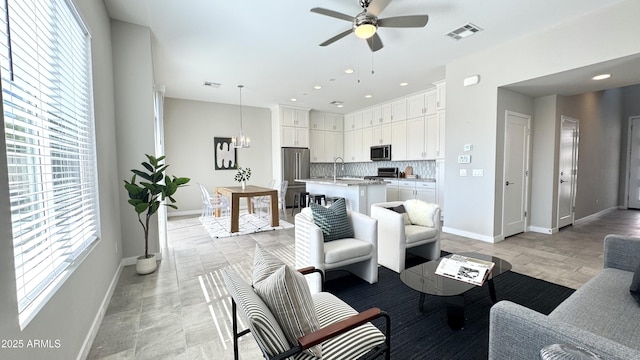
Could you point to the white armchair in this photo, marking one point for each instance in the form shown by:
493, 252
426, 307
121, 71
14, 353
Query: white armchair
395, 238
358, 255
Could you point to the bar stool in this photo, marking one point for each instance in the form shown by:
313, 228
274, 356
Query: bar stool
317, 198
299, 200
331, 199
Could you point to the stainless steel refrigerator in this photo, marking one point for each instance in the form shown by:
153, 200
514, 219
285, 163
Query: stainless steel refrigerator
295, 165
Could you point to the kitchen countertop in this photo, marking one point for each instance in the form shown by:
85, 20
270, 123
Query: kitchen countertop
342, 181
416, 179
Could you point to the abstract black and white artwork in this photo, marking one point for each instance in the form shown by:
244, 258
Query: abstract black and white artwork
225, 154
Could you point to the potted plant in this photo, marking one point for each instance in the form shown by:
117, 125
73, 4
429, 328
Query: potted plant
147, 196
242, 176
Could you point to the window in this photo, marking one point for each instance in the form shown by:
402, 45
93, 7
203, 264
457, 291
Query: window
49, 129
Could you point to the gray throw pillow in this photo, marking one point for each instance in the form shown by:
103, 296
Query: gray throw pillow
333, 221
634, 289
566, 352
401, 210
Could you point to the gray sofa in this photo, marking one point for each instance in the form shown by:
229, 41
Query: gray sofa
601, 316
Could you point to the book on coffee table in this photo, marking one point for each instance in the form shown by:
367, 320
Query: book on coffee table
466, 269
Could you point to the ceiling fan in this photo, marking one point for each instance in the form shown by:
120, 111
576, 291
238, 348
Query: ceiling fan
366, 23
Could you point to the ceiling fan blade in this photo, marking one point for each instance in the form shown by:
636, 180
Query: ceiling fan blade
404, 21
375, 43
332, 13
337, 37
377, 6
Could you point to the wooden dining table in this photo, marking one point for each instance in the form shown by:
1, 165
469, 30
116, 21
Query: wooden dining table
234, 193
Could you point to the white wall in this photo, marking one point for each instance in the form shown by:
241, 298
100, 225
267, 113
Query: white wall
631, 107
69, 314
190, 127
472, 112
133, 79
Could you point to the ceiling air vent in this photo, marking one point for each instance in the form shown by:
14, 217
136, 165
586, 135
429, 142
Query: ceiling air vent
463, 31
335, 102
212, 84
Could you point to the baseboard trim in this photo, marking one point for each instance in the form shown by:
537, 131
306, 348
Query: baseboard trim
97, 321
592, 216
471, 235
542, 230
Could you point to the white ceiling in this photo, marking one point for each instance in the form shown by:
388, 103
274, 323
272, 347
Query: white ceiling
271, 47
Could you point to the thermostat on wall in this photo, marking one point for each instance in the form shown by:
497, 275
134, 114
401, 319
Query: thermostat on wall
464, 159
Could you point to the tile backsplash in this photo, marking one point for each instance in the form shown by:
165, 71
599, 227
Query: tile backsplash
424, 169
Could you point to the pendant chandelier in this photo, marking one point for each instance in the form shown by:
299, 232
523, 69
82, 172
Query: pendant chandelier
244, 141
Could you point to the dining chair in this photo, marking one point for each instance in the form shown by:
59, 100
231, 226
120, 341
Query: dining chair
212, 202
261, 204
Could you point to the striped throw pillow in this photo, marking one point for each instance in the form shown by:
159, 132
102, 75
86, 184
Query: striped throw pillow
333, 221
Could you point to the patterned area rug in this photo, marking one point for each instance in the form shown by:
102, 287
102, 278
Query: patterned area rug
218, 227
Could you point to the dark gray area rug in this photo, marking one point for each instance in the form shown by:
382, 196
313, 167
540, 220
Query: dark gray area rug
426, 335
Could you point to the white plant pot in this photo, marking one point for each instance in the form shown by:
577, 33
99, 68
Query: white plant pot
146, 265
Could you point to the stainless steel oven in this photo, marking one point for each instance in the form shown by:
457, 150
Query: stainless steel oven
381, 153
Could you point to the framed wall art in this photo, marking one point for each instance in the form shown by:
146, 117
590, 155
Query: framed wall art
225, 154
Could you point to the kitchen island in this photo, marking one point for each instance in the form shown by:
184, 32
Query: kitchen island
359, 193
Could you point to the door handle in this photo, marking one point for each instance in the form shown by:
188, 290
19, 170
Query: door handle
509, 183
562, 181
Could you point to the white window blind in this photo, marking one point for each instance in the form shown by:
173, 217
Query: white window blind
48, 122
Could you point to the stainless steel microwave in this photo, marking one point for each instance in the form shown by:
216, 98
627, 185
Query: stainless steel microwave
381, 153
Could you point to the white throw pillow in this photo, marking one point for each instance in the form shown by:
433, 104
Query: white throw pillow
420, 212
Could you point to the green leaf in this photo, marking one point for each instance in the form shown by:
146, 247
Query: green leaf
180, 181
133, 189
142, 174
140, 208
147, 166
172, 206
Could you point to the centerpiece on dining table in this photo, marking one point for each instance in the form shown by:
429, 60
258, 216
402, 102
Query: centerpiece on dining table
242, 176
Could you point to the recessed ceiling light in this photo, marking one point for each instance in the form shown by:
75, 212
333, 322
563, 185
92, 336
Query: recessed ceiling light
317, 87
349, 71
404, 83
368, 96
340, 105
294, 99
601, 77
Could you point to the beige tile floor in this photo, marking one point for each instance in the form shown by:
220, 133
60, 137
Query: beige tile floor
181, 311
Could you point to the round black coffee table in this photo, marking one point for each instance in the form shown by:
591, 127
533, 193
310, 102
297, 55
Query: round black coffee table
424, 279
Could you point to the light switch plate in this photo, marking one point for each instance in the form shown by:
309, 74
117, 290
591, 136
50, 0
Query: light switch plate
463, 172
464, 159
468, 147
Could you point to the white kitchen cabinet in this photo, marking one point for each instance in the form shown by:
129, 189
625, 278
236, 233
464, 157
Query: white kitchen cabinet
399, 110
294, 136
333, 146
399, 141
392, 190
421, 190
382, 135
367, 118
317, 145
441, 134
422, 104
422, 137
295, 117
441, 92
348, 122
333, 122
316, 121
353, 146
367, 140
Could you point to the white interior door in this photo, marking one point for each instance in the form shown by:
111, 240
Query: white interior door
634, 164
516, 160
568, 170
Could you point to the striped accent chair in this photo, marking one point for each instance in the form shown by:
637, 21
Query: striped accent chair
343, 334
357, 254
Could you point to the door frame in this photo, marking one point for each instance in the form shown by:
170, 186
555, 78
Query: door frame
526, 167
574, 176
630, 119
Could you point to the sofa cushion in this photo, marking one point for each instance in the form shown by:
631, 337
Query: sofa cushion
635, 285
420, 212
603, 306
333, 221
287, 294
417, 233
566, 352
346, 249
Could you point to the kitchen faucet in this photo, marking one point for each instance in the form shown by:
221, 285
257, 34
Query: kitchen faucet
335, 162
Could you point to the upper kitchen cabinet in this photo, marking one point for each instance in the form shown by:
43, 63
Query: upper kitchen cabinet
353, 121
316, 121
326, 138
290, 126
422, 104
326, 121
441, 91
399, 110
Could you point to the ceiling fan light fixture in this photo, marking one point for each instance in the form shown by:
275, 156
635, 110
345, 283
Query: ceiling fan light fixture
601, 77
365, 30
